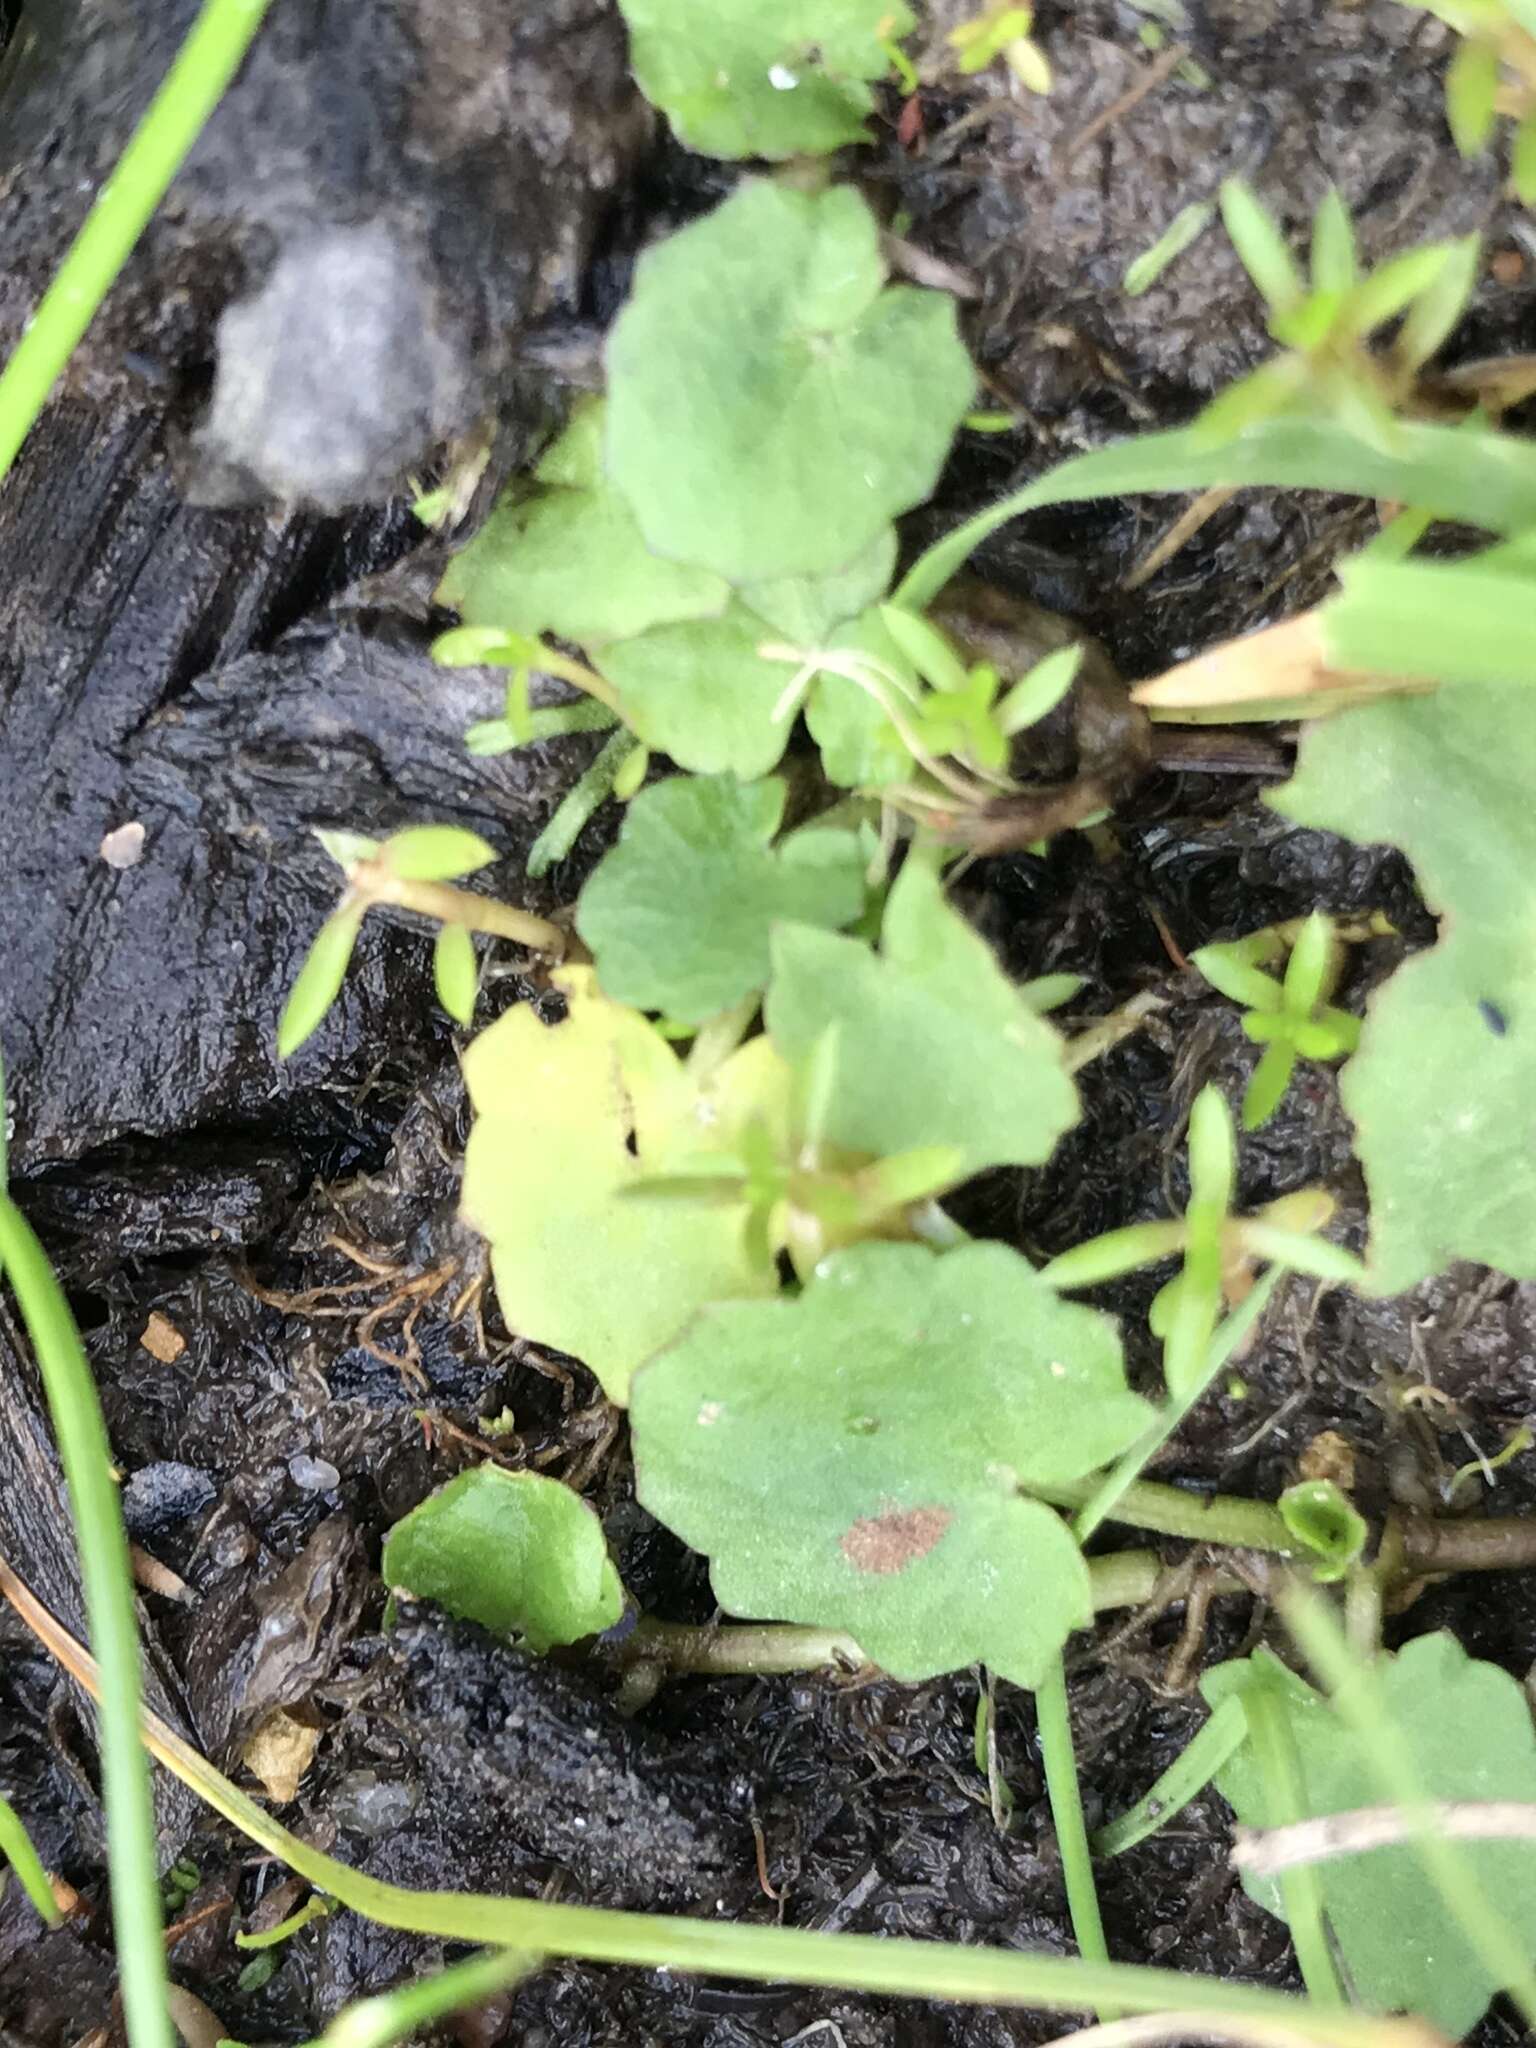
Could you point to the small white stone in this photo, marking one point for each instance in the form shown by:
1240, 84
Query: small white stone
123, 846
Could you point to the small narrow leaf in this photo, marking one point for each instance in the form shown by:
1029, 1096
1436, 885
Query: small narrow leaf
1228, 970
1434, 313
1395, 284
1037, 693
1333, 244
1114, 1254
318, 982
456, 973
925, 647
1259, 244
436, 853
1471, 91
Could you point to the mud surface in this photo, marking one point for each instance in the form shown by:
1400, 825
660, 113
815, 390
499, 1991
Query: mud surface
276, 1298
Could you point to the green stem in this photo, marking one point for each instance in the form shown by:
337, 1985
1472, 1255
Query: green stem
1054, 1722
16, 1847
1126, 1578
1356, 1698
1285, 1799
107, 1581
395, 2015
1220, 1518
315, 1907
204, 66
1101, 1504
448, 905
740, 1649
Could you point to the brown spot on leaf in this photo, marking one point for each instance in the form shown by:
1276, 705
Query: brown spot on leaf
889, 1542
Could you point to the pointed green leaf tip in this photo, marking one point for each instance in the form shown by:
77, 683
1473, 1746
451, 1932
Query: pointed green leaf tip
861, 1458
1441, 1090
677, 916
1467, 1726
763, 78
935, 1044
319, 980
772, 405
518, 1553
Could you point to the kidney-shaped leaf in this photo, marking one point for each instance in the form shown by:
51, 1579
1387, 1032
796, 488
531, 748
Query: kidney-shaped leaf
1468, 1727
568, 558
934, 1046
771, 403
1443, 1088
860, 1458
522, 1555
567, 1118
701, 692
768, 78
677, 916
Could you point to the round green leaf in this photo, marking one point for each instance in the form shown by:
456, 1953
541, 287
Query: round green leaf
1467, 1726
935, 1046
677, 916
861, 1458
702, 693
522, 1555
772, 406
568, 1118
742, 78
567, 557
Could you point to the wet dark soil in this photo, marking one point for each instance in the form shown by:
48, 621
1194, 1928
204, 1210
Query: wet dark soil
245, 1244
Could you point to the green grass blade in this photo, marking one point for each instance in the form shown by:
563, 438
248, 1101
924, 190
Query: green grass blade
108, 1584
1285, 1797
204, 66
396, 2015
16, 1847
1054, 1720
884, 1964
1483, 479
1217, 1741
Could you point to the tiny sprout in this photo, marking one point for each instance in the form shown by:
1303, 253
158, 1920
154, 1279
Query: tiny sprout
1003, 30
1493, 72
411, 870
1322, 1518
1220, 1251
1291, 1019
1325, 323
